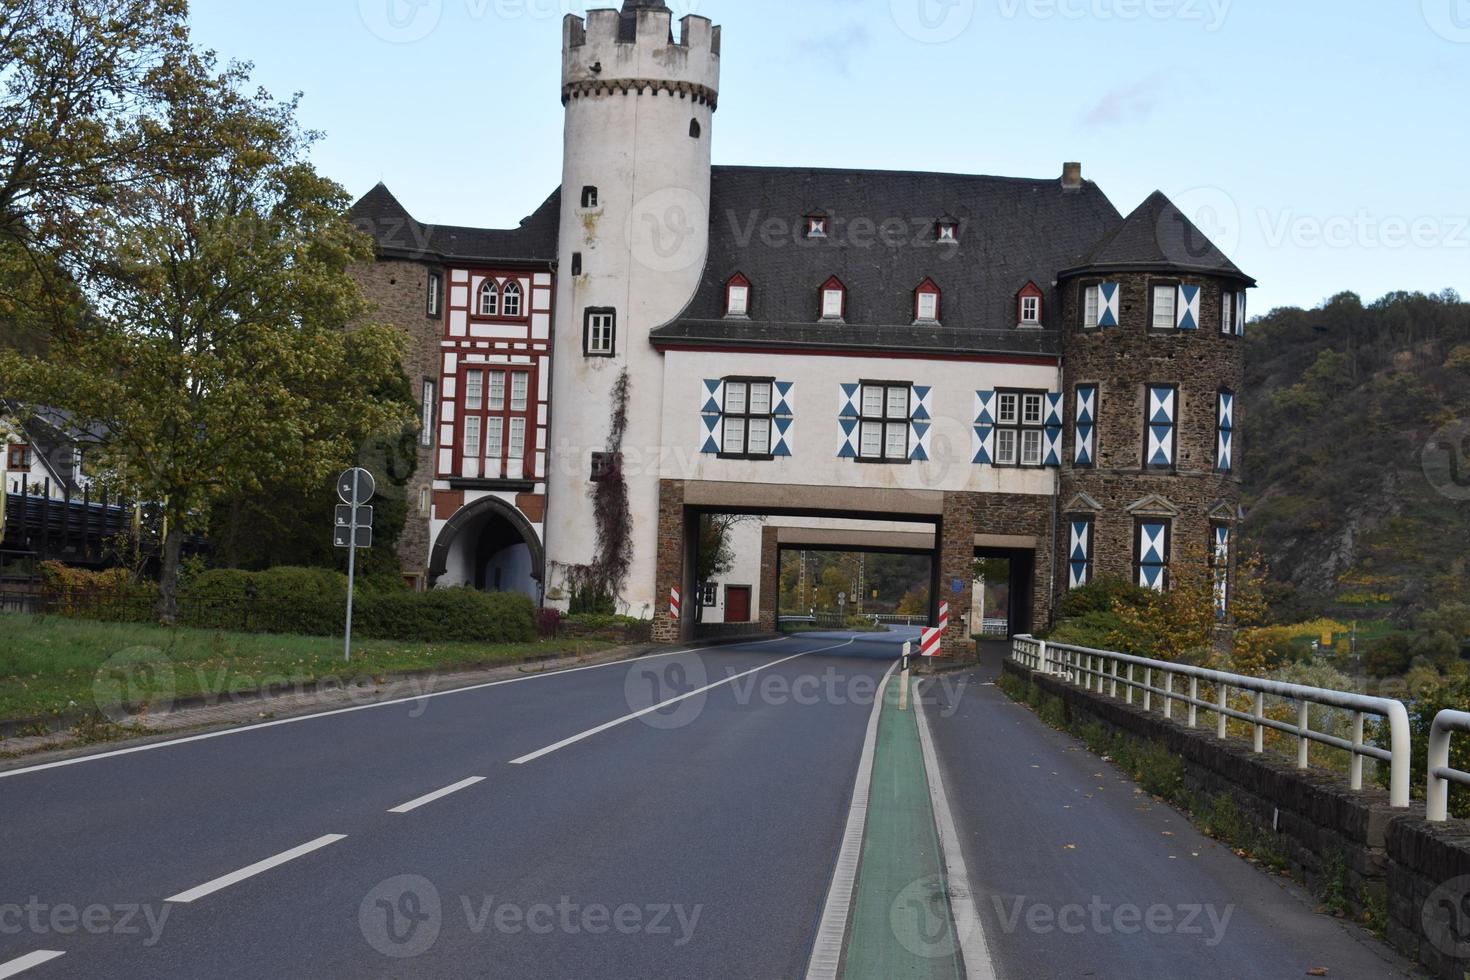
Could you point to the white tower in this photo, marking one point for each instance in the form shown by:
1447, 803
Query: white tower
634, 237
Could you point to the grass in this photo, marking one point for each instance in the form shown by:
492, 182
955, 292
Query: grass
51, 666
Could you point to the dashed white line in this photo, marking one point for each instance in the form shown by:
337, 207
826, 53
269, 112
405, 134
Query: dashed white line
28, 961
151, 746
260, 867
564, 743
439, 794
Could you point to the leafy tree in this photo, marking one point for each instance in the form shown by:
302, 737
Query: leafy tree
915, 602
1389, 657
1180, 623
219, 356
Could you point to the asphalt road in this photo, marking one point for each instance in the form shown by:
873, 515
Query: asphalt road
694, 841
1078, 873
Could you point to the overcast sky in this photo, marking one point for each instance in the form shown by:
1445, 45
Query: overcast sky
1324, 144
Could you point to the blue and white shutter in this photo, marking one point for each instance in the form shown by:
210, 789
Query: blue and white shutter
1225, 453
848, 414
711, 413
984, 441
1109, 304
1187, 309
1085, 427
921, 423
1240, 313
1221, 562
1052, 452
1153, 554
783, 420
1162, 419
1080, 554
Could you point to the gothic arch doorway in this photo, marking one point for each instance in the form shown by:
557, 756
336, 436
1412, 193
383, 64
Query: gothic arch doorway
489, 545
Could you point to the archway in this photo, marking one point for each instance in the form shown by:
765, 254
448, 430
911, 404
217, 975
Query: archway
489, 545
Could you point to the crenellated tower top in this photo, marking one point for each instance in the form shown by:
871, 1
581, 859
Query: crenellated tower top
633, 51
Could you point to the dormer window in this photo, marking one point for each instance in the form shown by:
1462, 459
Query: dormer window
737, 296
834, 299
489, 299
1029, 306
947, 230
816, 226
926, 302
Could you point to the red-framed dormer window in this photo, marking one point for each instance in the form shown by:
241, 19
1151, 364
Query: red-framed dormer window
834, 300
816, 226
926, 302
1030, 306
737, 296
947, 230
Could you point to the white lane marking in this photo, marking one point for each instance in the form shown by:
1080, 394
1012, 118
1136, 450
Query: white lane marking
260, 867
542, 753
115, 753
412, 805
974, 947
832, 930
27, 961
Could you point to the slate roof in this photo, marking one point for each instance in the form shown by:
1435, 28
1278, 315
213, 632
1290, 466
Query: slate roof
1011, 232
1158, 237
398, 235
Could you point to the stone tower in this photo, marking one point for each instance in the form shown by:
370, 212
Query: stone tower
634, 232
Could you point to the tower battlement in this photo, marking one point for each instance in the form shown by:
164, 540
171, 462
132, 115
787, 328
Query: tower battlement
635, 51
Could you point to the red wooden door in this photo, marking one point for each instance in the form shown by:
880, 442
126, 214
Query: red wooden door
737, 604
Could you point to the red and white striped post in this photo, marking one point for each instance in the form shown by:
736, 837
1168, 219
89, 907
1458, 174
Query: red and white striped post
674, 603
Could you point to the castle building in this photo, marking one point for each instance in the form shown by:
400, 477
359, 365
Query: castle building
986, 366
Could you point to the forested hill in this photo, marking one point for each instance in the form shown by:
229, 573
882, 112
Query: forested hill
1339, 407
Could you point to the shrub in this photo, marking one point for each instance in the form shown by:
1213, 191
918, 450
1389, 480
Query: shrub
111, 596
1100, 596
447, 616
1391, 656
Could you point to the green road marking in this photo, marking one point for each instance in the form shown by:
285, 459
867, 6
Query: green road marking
901, 923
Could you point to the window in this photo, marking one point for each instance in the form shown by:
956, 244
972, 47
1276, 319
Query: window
1031, 310
497, 391
495, 437
576, 263
599, 333
1020, 434
737, 297
1227, 313
472, 437
1079, 565
1151, 553
816, 226
1165, 298
947, 231
510, 304
1161, 427
1219, 549
498, 414
695, 130
474, 390
1225, 431
926, 302
748, 417
432, 299
1090, 307
884, 423
489, 298
589, 197
709, 595
428, 413
20, 456
517, 438
834, 299
520, 388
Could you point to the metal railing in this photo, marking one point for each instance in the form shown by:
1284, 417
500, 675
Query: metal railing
1437, 798
1097, 670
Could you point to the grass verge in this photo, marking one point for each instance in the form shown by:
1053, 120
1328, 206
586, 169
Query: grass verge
52, 667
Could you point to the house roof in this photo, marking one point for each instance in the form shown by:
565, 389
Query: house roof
882, 244
399, 235
1157, 236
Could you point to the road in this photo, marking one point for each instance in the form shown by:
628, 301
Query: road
679, 816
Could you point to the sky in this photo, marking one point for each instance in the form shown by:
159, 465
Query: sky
1323, 144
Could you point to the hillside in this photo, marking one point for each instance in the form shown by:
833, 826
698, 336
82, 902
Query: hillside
1340, 404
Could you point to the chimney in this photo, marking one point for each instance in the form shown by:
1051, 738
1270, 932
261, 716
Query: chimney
1071, 176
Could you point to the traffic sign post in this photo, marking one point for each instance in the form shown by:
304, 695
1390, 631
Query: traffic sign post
353, 529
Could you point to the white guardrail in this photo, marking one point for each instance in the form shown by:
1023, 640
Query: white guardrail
1095, 670
1446, 724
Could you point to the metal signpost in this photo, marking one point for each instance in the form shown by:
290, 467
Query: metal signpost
353, 530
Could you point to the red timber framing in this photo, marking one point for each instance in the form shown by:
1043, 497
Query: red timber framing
490, 361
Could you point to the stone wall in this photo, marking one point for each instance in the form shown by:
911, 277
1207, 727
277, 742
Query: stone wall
1384, 860
1002, 514
1122, 362
396, 292
770, 590
670, 561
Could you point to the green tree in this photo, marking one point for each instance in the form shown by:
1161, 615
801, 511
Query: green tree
221, 353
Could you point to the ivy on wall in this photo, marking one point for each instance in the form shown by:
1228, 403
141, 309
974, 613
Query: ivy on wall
597, 587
